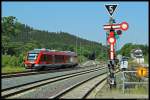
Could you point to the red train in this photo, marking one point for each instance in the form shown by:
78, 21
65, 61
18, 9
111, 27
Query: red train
45, 59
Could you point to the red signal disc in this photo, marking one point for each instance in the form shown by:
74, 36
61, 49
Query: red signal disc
111, 40
124, 26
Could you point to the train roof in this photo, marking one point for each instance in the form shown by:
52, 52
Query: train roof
48, 51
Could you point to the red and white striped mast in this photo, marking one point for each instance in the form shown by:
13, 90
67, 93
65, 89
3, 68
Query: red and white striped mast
111, 41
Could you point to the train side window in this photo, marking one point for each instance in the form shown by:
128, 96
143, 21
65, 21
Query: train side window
49, 58
59, 58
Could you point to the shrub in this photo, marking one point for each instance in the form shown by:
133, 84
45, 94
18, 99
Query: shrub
5, 60
13, 61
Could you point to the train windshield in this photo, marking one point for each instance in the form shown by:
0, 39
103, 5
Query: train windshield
32, 56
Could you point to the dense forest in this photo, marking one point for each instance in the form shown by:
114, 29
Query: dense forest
19, 38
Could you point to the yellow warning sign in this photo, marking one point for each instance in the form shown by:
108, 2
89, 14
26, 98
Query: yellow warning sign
141, 72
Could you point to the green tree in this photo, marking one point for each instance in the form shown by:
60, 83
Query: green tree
8, 31
5, 42
8, 25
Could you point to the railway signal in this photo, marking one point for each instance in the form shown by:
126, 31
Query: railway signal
113, 32
116, 35
123, 26
111, 40
119, 32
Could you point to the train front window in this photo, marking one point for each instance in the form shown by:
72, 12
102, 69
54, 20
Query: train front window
32, 56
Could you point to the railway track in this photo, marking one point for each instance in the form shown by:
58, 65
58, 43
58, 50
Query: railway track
84, 89
13, 91
34, 72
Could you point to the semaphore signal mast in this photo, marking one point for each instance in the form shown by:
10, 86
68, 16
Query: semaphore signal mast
113, 30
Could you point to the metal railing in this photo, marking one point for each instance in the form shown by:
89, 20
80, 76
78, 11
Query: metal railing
131, 82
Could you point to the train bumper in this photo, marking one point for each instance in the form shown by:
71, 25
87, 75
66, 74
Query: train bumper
32, 66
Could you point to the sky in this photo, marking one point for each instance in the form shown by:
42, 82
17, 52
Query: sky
83, 19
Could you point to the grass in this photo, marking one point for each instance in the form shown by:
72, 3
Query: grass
130, 92
146, 59
137, 90
11, 69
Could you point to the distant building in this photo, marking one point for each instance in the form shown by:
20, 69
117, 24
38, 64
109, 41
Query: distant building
137, 55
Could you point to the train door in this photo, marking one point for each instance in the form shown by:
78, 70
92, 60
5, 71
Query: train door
49, 59
65, 59
71, 59
43, 59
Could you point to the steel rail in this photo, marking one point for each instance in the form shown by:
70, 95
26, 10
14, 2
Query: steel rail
43, 80
59, 95
88, 93
28, 86
34, 72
